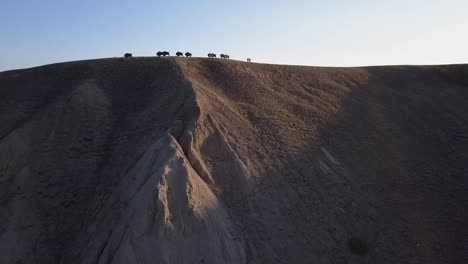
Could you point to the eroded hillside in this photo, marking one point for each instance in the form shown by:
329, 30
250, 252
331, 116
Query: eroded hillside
151, 160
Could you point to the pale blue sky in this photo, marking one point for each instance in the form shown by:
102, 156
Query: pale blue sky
307, 32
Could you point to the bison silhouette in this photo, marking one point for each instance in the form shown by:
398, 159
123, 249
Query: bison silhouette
179, 54
128, 55
162, 53
188, 54
224, 56
211, 55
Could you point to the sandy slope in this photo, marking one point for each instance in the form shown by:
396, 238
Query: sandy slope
153, 160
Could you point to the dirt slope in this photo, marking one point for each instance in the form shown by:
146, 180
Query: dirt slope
152, 160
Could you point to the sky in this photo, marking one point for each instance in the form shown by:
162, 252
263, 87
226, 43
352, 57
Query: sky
299, 32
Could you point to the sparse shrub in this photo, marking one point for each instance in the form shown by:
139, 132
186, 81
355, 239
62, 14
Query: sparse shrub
357, 246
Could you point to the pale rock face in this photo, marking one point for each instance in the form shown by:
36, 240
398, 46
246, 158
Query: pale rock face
172, 215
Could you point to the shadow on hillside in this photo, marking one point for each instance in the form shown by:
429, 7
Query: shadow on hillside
383, 184
81, 126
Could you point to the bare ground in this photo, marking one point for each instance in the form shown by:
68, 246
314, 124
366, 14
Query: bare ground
152, 160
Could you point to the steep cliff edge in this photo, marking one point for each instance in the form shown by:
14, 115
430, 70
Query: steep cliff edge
153, 160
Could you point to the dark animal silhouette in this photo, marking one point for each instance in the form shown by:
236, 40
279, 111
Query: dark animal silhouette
249, 60
224, 56
128, 55
162, 53
188, 54
179, 54
211, 55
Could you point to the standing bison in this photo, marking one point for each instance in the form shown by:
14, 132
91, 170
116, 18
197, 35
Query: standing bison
179, 54
249, 60
162, 53
211, 55
224, 56
188, 54
128, 55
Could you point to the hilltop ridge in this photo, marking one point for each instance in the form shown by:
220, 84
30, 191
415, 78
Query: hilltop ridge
189, 160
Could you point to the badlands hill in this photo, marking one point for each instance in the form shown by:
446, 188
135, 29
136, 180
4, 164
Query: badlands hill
176, 160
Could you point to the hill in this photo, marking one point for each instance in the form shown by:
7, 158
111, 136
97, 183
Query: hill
186, 160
